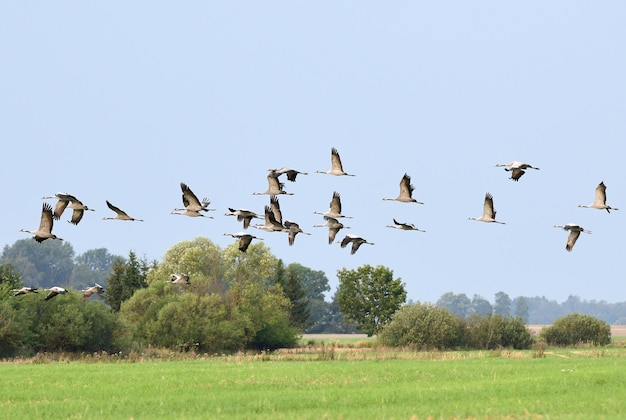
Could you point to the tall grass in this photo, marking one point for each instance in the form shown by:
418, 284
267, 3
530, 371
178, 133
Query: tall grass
583, 383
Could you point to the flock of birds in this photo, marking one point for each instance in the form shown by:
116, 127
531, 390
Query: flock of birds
96, 289
272, 216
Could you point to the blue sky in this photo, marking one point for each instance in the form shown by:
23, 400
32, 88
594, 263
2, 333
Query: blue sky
122, 101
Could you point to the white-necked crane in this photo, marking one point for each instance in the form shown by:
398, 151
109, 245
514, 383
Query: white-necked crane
244, 239
335, 208
55, 290
191, 205
356, 241
404, 226
600, 200
45, 225
516, 168
120, 214
489, 212
574, 233
333, 226
336, 166
243, 215
406, 191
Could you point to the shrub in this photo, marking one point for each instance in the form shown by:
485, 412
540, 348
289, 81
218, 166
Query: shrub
576, 329
493, 331
422, 326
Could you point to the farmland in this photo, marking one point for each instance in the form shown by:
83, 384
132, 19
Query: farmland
354, 383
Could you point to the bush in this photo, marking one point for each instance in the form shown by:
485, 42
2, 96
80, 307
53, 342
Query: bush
422, 326
494, 331
576, 329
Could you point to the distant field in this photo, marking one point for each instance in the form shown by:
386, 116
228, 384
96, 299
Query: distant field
582, 383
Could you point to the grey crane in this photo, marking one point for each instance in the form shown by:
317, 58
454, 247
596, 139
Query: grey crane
406, 191
243, 215
192, 207
68, 201
24, 291
336, 166
244, 239
271, 224
45, 225
516, 168
119, 214
335, 208
574, 233
600, 200
55, 290
334, 226
96, 289
275, 187
356, 241
293, 229
404, 226
290, 173
489, 212
180, 279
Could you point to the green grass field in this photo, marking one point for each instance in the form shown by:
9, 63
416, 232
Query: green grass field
350, 384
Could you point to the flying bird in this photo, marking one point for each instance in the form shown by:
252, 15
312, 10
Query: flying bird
291, 173
191, 205
275, 207
24, 291
120, 214
275, 187
55, 290
271, 224
68, 201
333, 226
96, 289
180, 279
516, 168
45, 225
489, 213
574, 233
243, 215
293, 228
404, 226
406, 191
600, 200
244, 239
356, 241
335, 208
336, 166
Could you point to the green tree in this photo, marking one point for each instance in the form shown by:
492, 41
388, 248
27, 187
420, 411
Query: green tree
93, 266
481, 306
422, 326
126, 278
577, 329
520, 308
368, 296
291, 284
9, 279
45, 264
502, 304
459, 305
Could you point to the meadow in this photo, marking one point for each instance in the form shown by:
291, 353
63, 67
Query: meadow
328, 381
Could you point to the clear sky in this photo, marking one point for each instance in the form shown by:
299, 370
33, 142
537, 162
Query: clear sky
122, 101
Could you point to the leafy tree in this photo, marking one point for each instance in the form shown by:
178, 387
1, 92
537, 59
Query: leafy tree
9, 279
502, 304
481, 306
459, 305
368, 296
126, 278
575, 329
520, 308
493, 331
422, 326
315, 283
45, 264
93, 266
291, 284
